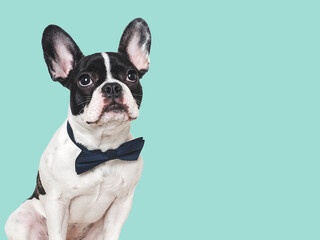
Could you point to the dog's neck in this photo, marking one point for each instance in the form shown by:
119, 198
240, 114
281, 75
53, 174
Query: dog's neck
102, 137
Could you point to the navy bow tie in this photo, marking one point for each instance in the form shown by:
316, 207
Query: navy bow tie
88, 159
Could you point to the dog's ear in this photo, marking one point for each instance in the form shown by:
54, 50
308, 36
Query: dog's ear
135, 44
60, 52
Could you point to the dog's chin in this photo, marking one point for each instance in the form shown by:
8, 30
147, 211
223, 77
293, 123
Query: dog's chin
114, 115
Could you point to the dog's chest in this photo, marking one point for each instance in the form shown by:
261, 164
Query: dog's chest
96, 191
90, 193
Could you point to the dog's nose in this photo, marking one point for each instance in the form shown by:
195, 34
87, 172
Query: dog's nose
112, 90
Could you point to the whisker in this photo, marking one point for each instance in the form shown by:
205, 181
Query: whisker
86, 101
138, 102
82, 109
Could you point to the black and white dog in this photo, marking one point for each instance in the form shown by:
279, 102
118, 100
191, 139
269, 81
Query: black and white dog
105, 96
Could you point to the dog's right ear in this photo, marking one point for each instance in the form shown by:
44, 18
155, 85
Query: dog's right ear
60, 52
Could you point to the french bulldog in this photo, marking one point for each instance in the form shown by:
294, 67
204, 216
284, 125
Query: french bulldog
79, 194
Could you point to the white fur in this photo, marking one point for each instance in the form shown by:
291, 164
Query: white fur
94, 204
107, 64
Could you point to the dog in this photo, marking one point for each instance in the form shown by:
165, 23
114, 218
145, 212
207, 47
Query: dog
78, 195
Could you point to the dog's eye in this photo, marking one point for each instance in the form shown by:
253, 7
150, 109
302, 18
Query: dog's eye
132, 76
85, 81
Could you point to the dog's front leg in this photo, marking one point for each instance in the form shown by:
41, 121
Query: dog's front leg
57, 215
116, 216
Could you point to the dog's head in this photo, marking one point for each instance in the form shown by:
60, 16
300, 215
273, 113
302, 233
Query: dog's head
103, 87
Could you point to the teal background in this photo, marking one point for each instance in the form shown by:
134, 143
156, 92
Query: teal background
230, 112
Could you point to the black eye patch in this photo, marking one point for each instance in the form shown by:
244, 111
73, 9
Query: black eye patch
92, 67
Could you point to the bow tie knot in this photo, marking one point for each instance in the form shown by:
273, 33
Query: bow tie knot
112, 153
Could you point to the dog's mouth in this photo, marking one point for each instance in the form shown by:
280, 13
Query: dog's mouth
113, 108
116, 108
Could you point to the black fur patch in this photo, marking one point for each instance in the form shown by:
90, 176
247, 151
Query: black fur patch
94, 66
39, 190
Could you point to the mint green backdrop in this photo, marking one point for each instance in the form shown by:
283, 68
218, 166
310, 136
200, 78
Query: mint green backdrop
230, 112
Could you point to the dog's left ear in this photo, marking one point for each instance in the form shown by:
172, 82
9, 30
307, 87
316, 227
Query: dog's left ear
60, 52
135, 44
